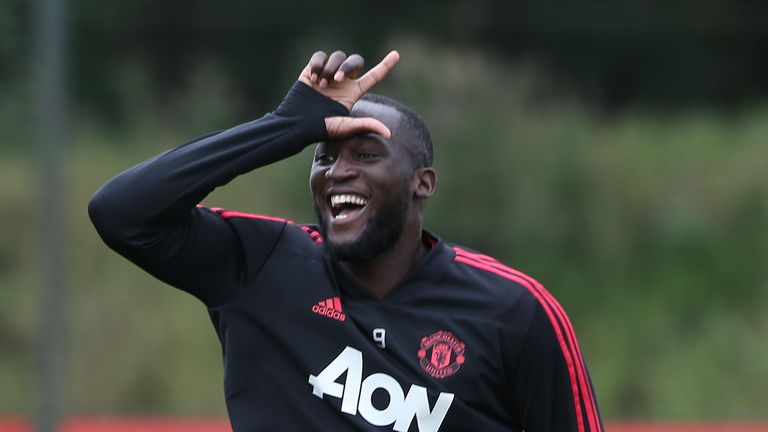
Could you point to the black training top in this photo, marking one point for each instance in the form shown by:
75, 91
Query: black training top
464, 343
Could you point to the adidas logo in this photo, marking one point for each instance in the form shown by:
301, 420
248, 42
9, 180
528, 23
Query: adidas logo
330, 308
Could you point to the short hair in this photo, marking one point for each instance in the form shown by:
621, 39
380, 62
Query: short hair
413, 126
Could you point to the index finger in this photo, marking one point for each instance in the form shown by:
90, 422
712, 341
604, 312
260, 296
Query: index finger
378, 72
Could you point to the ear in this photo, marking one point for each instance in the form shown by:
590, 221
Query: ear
424, 182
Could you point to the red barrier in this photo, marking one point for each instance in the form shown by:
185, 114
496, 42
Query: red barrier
149, 424
14, 424
123, 424
145, 425
668, 426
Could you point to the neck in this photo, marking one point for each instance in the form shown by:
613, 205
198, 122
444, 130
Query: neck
380, 275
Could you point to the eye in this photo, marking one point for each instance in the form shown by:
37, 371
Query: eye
324, 159
367, 155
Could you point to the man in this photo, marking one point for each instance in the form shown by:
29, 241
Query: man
365, 321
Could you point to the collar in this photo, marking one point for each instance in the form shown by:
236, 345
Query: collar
427, 273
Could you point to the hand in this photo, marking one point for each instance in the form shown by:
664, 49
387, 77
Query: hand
337, 78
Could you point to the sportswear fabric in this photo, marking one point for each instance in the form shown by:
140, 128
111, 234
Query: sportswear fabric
462, 343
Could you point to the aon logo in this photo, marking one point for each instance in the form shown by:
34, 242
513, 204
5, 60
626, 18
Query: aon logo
356, 392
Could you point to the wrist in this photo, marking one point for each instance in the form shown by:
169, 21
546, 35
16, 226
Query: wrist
303, 101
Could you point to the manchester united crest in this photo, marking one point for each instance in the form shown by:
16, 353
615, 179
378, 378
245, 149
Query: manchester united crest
441, 354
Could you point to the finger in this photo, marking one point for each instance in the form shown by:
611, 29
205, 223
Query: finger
332, 65
345, 127
316, 63
350, 68
378, 72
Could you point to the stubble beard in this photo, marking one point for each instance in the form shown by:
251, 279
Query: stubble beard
380, 233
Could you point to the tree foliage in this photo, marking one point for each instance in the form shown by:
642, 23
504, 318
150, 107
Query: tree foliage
654, 52
586, 145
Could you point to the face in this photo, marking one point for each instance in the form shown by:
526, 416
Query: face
363, 190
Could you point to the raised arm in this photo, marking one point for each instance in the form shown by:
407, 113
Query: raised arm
148, 213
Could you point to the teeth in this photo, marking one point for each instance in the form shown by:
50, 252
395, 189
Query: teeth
341, 216
337, 200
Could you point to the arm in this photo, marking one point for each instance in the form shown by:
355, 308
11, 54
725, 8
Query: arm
148, 213
549, 381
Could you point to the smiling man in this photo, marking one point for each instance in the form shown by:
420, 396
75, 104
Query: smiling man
364, 321
369, 193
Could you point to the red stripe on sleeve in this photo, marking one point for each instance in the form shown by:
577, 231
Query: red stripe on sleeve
560, 322
591, 406
316, 237
586, 388
230, 213
558, 332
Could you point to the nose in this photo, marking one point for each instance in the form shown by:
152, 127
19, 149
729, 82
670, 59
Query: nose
341, 169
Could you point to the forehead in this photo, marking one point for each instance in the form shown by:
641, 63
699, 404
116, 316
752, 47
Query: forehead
385, 114
392, 118
400, 141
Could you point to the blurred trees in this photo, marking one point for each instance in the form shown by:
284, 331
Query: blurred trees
590, 144
662, 53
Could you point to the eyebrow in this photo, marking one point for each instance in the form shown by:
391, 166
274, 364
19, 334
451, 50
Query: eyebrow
368, 136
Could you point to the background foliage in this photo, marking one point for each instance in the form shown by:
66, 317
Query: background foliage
615, 151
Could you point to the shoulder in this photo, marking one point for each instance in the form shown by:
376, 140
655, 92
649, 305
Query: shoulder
515, 294
493, 274
524, 299
235, 215
253, 223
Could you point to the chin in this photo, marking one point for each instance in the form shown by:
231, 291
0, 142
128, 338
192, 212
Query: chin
379, 235
380, 231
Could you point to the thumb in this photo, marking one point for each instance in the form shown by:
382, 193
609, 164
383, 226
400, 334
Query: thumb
345, 127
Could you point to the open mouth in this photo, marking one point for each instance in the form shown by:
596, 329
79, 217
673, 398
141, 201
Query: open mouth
345, 206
